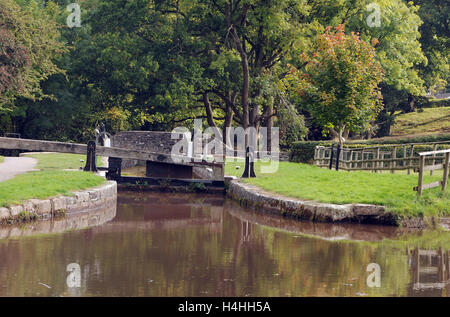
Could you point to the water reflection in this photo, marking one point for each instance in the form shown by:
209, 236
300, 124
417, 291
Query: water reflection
431, 270
95, 216
193, 245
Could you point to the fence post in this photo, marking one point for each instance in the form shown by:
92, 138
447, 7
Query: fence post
421, 167
324, 153
331, 156
446, 167
377, 164
371, 156
411, 154
405, 149
338, 156
351, 159
393, 156
434, 157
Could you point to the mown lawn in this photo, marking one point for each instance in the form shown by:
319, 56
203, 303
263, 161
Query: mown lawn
2, 159
50, 181
60, 161
45, 184
395, 191
431, 120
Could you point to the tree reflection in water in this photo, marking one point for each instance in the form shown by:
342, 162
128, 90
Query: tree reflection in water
202, 245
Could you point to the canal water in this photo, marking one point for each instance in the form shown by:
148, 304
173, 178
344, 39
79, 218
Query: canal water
158, 244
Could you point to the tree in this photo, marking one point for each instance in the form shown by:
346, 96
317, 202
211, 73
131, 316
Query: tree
169, 62
14, 57
435, 42
339, 83
29, 47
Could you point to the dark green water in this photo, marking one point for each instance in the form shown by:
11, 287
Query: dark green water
158, 244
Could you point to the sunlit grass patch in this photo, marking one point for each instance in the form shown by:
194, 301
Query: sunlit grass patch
60, 161
395, 191
431, 120
50, 181
45, 184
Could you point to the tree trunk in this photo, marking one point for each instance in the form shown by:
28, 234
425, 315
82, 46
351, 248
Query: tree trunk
228, 121
411, 103
246, 80
209, 112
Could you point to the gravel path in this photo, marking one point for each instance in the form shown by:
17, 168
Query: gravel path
13, 166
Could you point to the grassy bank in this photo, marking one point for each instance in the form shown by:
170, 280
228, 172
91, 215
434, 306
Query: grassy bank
45, 184
2, 159
50, 181
395, 191
60, 161
431, 120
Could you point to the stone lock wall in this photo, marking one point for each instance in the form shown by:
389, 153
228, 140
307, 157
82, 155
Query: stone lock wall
252, 196
152, 141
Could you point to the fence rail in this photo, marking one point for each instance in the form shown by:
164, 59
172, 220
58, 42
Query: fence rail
380, 158
423, 168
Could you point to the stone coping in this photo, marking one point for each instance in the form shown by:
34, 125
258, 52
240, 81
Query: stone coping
88, 218
257, 198
51, 207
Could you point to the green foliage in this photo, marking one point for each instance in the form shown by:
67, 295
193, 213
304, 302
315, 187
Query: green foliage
303, 151
34, 30
339, 83
196, 187
26, 216
154, 65
434, 41
398, 49
14, 56
405, 139
291, 125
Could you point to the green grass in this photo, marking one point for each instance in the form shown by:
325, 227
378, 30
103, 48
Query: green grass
2, 159
50, 181
395, 191
45, 184
60, 161
431, 120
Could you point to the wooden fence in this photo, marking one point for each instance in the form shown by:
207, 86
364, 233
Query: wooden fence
423, 168
380, 158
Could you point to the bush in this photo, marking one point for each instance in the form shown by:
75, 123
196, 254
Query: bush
303, 151
403, 140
